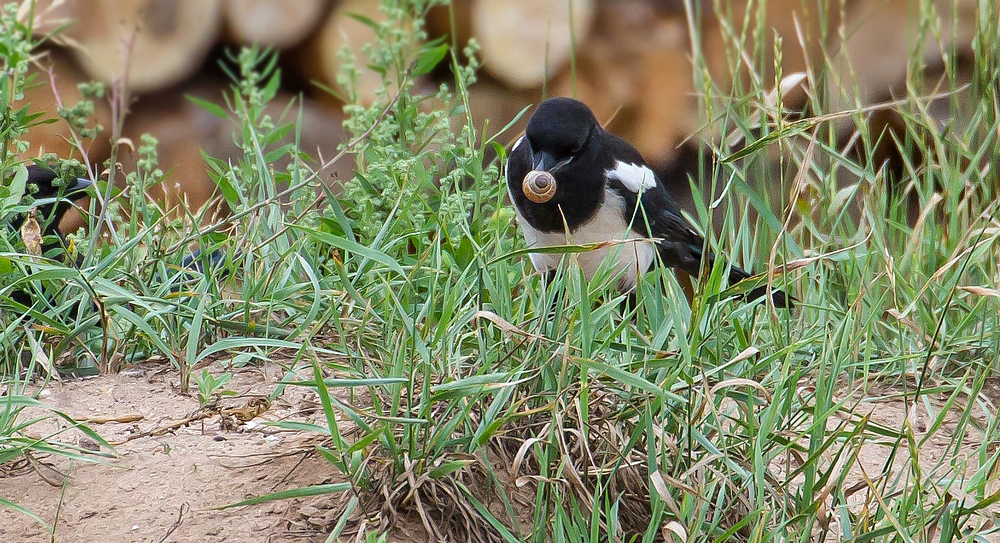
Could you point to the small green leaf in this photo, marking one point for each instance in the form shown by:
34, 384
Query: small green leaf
16, 188
300, 426
791, 129
364, 20
429, 58
195, 330
228, 190
214, 109
624, 377
560, 249
447, 468
273, 84
18, 509
314, 490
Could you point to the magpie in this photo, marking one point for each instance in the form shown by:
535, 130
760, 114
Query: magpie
52, 198
196, 261
199, 263
571, 181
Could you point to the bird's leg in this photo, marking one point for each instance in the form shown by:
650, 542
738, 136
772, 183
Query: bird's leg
547, 279
629, 302
687, 285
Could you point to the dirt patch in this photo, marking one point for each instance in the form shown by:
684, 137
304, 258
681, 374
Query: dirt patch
938, 454
164, 488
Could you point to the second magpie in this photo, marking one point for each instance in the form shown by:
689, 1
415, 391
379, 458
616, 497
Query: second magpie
51, 198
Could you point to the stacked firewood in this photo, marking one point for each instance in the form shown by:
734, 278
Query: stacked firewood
162, 51
630, 60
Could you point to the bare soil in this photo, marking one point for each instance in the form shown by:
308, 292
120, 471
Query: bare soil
162, 488
165, 484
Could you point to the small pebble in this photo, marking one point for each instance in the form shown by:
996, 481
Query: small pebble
134, 373
309, 511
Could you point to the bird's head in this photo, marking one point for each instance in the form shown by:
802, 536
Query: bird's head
53, 196
558, 132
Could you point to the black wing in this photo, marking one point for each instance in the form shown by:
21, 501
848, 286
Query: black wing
656, 215
654, 212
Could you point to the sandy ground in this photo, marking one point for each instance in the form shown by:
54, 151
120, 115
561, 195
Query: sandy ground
942, 455
164, 488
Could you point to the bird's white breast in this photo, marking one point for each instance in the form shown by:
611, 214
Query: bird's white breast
609, 223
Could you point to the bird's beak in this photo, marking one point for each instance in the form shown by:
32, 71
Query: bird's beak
545, 162
73, 191
76, 188
542, 161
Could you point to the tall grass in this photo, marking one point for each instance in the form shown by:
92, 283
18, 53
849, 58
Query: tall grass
462, 394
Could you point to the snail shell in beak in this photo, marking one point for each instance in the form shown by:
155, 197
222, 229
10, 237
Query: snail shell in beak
539, 186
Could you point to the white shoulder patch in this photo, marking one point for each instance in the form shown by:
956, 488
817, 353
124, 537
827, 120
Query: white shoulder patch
635, 178
516, 144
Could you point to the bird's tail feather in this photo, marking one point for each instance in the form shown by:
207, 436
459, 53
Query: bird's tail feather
688, 258
780, 299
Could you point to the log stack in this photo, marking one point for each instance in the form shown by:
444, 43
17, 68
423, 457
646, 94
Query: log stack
342, 28
629, 59
524, 44
271, 23
152, 44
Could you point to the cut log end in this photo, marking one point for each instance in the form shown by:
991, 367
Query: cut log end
163, 41
524, 42
271, 23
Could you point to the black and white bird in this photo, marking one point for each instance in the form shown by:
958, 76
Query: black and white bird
598, 188
51, 199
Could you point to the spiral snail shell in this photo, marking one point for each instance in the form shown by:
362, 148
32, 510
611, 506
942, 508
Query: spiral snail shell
539, 186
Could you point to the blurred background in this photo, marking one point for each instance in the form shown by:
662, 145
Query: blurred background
630, 60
